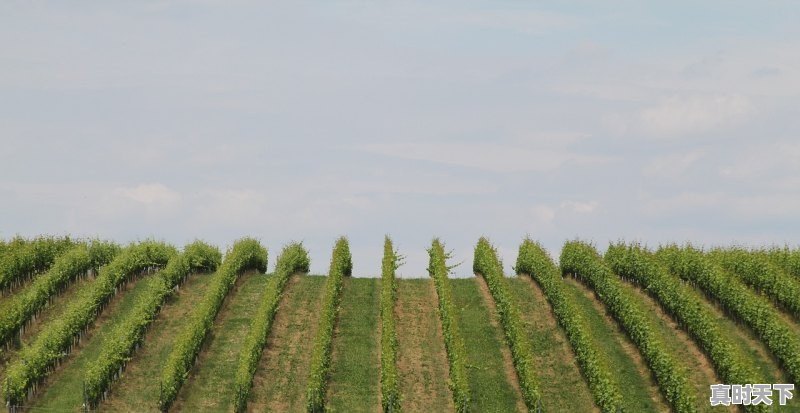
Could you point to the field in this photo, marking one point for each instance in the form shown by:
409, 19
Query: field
88, 325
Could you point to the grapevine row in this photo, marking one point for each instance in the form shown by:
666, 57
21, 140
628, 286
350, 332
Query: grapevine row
583, 262
22, 307
759, 273
247, 253
56, 340
487, 264
454, 342
341, 266
534, 261
390, 391
787, 259
22, 259
293, 259
129, 333
638, 265
753, 310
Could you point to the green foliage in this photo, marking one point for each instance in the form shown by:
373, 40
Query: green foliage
129, 333
487, 264
533, 260
293, 259
755, 269
454, 342
341, 266
23, 258
390, 387
637, 264
56, 340
582, 261
787, 259
753, 310
78, 260
247, 253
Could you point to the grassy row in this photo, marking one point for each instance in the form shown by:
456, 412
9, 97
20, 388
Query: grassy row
77, 261
487, 264
390, 387
533, 260
583, 262
56, 340
341, 266
23, 258
638, 265
756, 270
293, 259
755, 311
454, 342
129, 333
247, 253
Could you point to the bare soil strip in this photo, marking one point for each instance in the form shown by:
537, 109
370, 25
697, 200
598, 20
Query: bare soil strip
555, 362
421, 358
280, 380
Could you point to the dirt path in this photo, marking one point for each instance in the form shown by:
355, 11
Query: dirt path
210, 383
555, 361
138, 388
281, 377
354, 384
421, 359
639, 389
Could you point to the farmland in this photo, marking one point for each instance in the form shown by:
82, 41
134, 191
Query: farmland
93, 325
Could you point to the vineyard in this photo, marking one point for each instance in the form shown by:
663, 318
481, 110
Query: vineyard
89, 325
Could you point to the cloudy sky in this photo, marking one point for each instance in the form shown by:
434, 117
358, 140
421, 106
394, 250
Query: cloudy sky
288, 121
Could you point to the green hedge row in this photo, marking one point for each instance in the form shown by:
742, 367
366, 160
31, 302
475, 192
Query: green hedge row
293, 259
534, 261
56, 340
487, 264
637, 264
390, 388
22, 307
583, 262
23, 258
755, 311
246, 254
129, 333
453, 341
341, 266
786, 258
756, 270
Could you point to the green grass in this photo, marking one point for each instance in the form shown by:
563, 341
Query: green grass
640, 393
138, 388
554, 361
65, 386
488, 380
421, 359
355, 369
210, 386
282, 375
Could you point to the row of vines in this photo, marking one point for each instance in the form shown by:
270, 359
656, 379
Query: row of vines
341, 266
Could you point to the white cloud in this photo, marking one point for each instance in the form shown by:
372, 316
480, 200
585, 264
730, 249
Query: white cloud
677, 116
490, 157
155, 194
671, 166
580, 207
542, 214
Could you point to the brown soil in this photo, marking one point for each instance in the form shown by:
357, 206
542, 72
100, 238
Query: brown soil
421, 359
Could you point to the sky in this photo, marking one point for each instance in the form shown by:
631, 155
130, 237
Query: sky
303, 121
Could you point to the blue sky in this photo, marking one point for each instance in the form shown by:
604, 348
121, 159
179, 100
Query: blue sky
658, 122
